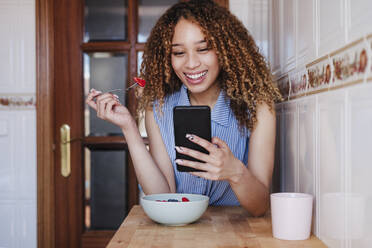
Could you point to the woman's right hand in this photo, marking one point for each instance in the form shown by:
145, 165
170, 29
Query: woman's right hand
109, 108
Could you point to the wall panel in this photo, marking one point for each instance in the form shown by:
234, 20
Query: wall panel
331, 164
288, 31
275, 34
18, 223
359, 18
331, 25
333, 130
18, 178
290, 133
305, 32
307, 151
17, 46
359, 168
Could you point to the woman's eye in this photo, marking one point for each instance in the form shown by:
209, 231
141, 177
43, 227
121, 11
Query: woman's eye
178, 53
203, 49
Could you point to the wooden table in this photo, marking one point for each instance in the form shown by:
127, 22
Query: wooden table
218, 227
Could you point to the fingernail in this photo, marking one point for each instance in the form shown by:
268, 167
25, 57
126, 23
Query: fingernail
179, 149
189, 136
178, 161
92, 90
116, 96
97, 91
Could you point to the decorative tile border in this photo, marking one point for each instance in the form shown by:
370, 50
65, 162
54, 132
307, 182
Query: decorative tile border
299, 83
369, 45
17, 101
284, 86
349, 65
319, 75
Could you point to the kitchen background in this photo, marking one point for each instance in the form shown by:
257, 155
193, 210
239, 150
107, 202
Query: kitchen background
320, 53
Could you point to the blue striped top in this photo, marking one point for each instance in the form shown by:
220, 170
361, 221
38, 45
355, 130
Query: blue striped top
224, 126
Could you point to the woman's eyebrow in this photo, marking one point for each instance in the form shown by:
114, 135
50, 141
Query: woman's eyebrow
180, 44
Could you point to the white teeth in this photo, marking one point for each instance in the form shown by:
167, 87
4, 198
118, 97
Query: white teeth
196, 76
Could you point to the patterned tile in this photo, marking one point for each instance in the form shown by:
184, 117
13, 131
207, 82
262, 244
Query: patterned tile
17, 101
299, 83
349, 64
284, 86
319, 75
369, 70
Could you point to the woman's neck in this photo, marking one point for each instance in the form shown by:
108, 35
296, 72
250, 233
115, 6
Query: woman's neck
208, 97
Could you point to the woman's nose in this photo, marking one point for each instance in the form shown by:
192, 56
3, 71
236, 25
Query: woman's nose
193, 61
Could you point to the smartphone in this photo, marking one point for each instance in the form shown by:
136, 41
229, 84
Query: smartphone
191, 120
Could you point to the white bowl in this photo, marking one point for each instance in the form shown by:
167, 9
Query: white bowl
174, 213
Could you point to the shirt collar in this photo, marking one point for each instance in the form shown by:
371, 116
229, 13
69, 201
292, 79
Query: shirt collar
184, 98
220, 112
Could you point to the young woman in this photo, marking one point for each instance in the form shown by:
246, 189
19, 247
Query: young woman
200, 54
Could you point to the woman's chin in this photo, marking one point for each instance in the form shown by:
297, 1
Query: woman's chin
195, 88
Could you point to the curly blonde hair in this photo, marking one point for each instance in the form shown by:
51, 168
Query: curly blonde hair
244, 74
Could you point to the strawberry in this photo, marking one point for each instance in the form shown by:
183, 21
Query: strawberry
141, 82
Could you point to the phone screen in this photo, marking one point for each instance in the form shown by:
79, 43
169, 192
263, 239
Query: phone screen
191, 120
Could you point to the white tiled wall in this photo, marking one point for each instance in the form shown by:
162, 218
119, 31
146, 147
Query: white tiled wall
287, 20
306, 151
325, 138
17, 46
275, 37
18, 221
331, 164
305, 41
358, 18
18, 178
306, 145
359, 169
290, 151
331, 136
331, 25
254, 14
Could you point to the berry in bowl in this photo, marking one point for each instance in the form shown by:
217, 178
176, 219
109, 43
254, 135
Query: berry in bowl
174, 209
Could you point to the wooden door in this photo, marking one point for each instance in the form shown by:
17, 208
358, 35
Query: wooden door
85, 44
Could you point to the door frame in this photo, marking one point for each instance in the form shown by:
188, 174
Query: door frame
47, 142
45, 122
45, 106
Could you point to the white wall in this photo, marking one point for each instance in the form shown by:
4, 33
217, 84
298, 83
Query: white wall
324, 131
18, 223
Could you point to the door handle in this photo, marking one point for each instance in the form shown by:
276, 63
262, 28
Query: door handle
65, 150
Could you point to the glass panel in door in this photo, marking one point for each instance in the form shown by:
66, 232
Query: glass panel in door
149, 12
105, 189
105, 167
106, 20
103, 72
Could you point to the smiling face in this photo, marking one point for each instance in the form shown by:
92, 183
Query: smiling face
193, 61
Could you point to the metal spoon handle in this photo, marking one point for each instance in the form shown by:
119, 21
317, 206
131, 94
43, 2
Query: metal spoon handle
114, 90
133, 85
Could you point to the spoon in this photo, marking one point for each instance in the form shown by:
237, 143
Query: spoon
139, 81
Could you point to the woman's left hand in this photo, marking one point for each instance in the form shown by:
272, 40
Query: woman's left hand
220, 163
